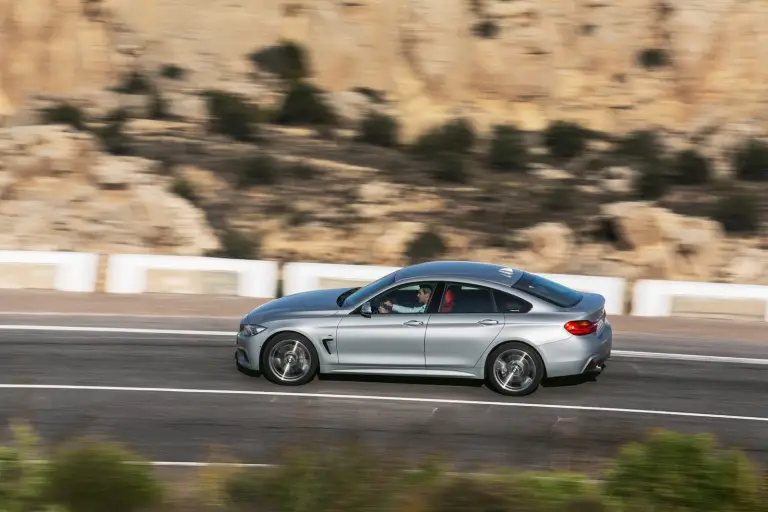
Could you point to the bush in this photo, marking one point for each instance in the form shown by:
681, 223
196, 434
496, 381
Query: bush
640, 145
739, 213
257, 170
560, 198
455, 136
231, 115
113, 138
184, 188
751, 161
304, 105
508, 150
135, 83
65, 113
426, 246
682, 472
691, 168
236, 245
652, 181
450, 168
287, 60
22, 482
565, 140
172, 72
158, 106
95, 477
379, 130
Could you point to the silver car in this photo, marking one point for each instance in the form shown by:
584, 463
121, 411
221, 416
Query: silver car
508, 327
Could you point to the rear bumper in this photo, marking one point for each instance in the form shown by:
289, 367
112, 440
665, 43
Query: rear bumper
578, 354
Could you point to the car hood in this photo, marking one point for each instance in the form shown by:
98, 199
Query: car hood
311, 302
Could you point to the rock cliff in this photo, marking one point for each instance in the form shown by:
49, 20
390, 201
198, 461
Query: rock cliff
613, 65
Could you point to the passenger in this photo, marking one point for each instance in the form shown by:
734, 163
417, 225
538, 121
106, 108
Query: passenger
424, 293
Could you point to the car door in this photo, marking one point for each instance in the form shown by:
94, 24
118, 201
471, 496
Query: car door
386, 340
466, 322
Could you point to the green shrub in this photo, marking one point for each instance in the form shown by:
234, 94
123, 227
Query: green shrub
751, 161
642, 145
304, 105
456, 136
691, 168
677, 472
565, 140
135, 82
288, 60
508, 150
379, 130
95, 477
738, 212
345, 480
236, 245
652, 181
428, 245
65, 113
185, 189
560, 198
172, 72
158, 106
22, 482
113, 138
450, 168
257, 170
652, 58
231, 115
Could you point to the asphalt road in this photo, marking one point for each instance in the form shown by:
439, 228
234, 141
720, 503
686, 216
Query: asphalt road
564, 423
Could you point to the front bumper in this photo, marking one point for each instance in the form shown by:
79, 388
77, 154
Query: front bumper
578, 354
247, 350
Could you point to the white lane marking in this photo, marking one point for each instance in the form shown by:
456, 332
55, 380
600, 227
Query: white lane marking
125, 330
383, 398
175, 332
689, 357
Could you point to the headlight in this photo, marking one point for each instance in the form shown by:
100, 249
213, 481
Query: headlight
251, 330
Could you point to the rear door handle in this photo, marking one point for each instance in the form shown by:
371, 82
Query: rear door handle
488, 322
414, 323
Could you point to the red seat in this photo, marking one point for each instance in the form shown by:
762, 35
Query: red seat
447, 302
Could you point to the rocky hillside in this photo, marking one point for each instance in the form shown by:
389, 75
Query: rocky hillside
602, 138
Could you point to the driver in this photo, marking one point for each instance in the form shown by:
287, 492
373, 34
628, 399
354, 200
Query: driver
424, 293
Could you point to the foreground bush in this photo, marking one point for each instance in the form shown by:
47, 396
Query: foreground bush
508, 150
231, 115
669, 472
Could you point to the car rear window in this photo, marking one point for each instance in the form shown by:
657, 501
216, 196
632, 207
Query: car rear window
550, 291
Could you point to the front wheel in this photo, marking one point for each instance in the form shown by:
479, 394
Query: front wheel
514, 369
289, 360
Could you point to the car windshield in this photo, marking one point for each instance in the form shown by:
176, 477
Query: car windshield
550, 291
370, 289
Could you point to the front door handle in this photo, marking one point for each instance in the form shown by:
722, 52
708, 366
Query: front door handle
488, 322
414, 323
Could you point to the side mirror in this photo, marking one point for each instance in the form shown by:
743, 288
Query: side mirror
365, 310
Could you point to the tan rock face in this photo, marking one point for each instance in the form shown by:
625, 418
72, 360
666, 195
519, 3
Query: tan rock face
545, 60
59, 193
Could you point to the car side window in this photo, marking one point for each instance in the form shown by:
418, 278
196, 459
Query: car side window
464, 298
508, 303
411, 298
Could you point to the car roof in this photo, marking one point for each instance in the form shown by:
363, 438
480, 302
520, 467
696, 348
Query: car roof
466, 269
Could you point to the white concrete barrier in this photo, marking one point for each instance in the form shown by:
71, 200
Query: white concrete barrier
148, 273
302, 277
725, 300
614, 289
63, 271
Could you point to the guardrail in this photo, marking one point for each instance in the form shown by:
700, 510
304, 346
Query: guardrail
63, 271
148, 273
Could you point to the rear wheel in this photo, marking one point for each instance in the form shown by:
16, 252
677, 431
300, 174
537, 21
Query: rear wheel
289, 359
514, 369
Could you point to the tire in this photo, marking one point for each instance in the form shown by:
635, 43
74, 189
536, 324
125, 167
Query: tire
529, 363
279, 349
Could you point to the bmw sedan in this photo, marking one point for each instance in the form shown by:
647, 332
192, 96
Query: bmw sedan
454, 319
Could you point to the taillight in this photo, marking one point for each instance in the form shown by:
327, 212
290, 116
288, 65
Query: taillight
580, 327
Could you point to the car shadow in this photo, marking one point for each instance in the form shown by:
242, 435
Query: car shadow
387, 379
